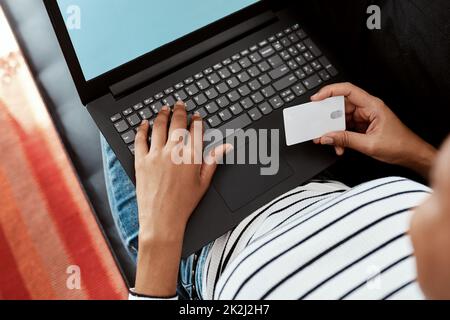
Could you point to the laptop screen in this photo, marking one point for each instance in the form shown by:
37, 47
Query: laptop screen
109, 33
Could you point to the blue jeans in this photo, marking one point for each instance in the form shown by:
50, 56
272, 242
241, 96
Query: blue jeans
122, 200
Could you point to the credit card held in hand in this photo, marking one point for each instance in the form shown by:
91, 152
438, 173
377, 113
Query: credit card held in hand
313, 120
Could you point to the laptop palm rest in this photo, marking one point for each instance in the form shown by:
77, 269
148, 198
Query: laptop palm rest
241, 184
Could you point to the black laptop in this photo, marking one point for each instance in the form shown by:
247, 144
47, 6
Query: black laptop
238, 63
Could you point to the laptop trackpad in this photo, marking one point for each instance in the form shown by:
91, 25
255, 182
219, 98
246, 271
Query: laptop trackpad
241, 184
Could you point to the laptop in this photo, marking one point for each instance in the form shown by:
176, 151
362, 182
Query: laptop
238, 63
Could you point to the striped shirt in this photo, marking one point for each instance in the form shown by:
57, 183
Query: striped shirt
321, 241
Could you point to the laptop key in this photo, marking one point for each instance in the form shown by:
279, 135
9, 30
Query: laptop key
243, 77
128, 111
264, 66
233, 82
145, 114
203, 84
328, 66
244, 90
223, 102
224, 73
236, 109
255, 57
285, 82
211, 93
247, 103
200, 99
235, 67
214, 121
308, 56
213, 78
189, 80
212, 108
278, 46
264, 79
132, 149
233, 96
138, 106
308, 69
300, 74
279, 72
255, 114
302, 34
203, 113
169, 90
254, 85
300, 60
324, 75
192, 90
190, 105
268, 91
254, 72
169, 101
129, 137
285, 42
245, 63
299, 89
275, 61
225, 115
121, 126
312, 82
257, 98
294, 38
156, 107
181, 95
116, 117
276, 102
316, 65
312, 47
134, 120
293, 65
267, 51
222, 88
265, 108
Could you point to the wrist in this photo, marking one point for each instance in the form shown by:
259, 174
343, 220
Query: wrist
421, 158
157, 267
161, 234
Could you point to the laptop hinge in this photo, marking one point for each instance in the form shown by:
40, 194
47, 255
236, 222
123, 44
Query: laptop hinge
152, 73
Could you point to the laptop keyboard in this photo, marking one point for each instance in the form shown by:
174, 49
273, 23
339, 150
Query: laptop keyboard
242, 89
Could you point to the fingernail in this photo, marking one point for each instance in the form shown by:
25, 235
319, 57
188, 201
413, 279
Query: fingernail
197, 114
328, 141
165, 108
144, 123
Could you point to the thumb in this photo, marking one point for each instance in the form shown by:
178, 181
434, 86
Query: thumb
212, 161
346, 139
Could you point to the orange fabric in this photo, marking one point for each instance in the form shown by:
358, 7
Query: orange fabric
46, 225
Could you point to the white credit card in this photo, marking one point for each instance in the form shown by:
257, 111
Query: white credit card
313, 120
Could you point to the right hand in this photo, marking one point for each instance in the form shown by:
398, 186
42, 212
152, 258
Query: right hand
374, 130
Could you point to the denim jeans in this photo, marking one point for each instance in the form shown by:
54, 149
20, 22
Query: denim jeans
122, 200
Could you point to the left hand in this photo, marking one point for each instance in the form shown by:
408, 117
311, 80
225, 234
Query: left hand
167, 194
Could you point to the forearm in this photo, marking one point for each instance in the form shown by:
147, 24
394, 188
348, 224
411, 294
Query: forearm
157, 267
420, 158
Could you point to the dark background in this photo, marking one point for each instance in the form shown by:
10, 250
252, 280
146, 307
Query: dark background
406, 64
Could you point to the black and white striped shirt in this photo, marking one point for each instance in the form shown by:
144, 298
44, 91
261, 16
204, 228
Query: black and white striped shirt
321, 241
